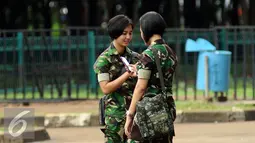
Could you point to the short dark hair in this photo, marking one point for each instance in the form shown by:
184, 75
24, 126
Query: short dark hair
152, 23
117, 24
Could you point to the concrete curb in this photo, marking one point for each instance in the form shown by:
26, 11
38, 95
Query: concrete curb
235, 115
67, 120
38, 120
207, 117
40, 134
57, 120
249, 115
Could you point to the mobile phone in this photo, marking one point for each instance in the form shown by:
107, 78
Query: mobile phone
124, 60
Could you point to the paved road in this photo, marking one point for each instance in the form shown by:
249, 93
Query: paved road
238, 132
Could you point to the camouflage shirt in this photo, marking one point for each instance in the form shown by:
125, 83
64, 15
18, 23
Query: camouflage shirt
147, 68
109, 67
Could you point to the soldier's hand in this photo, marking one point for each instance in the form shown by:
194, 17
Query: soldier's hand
132, 73
133, 66
128, 126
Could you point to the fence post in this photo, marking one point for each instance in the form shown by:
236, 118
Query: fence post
223, 39
20, 56
92, 58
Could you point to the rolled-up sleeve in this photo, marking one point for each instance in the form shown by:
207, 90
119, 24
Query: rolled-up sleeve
145, 65
144, 74
103, 77
101, 68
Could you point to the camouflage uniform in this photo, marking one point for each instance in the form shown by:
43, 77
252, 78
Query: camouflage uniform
109, 67
147, 69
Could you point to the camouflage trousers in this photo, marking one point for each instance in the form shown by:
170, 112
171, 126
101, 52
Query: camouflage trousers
115, 120
114, 131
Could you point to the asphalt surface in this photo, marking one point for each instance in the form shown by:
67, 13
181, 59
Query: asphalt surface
235, 132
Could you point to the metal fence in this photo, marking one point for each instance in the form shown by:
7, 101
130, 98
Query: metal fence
46, 65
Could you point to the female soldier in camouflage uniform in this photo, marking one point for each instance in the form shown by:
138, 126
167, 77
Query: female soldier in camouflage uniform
114, 80
152, 27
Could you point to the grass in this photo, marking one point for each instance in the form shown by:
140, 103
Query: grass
205, 106
82, 93
249, 91
189, 106
85, 93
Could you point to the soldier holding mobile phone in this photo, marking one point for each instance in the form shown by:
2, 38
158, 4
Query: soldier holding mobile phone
115, 79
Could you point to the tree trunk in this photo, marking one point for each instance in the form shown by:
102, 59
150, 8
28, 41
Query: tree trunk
136, 7
245, 13
18, 17
207, 11
234, 13
47, 15
77, 14
35, 11
3, 5
129, 8
85, 13
190, 14
74, 12
110, 4
252, 12
149, 5
171, 13
93, 13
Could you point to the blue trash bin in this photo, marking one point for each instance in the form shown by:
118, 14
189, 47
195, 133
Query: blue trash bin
219, 63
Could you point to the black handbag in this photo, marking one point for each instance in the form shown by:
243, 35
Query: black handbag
102, 110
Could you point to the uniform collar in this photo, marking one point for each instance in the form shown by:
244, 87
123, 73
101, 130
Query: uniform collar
159, 41
113, 50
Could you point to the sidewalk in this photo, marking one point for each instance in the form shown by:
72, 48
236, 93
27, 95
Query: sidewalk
59, 107
85, 113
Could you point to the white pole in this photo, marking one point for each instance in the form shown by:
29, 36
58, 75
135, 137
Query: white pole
206, 78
